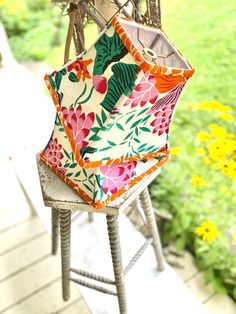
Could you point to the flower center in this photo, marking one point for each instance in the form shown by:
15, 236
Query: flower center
207, 229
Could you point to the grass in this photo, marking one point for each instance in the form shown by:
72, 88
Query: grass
205, 33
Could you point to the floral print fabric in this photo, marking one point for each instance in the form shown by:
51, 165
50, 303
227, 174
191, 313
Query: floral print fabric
113, 117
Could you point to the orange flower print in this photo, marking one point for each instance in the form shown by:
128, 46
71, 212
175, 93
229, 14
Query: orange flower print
164, 83
80, 66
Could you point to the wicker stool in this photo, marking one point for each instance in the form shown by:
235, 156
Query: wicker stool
63, 200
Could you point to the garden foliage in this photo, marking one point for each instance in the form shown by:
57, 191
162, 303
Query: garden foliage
34, 28
198, 185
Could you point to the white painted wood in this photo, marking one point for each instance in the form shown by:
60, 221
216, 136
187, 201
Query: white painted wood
46, 301
26, 282
20, 233
148, 291
13, 205
221, 303
24, 255
79, 307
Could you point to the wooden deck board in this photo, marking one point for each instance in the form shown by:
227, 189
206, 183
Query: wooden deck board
24, 256
46, 300
21, 233
33, 278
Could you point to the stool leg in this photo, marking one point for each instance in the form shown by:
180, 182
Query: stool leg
114, 238
150, 218
65, 221
55, 230
90, 217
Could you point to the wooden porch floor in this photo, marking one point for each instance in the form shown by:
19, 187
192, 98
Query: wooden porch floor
30, 280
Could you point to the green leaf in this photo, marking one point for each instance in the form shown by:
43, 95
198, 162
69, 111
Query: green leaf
69, 174
143, 128
136, 131
146, 118
95, 129
130, 118
91, 175
104, 117
135, 123
95, 138
51, 80
77, 174
99, 121
58, 79
66, 165
108, 49
87, 187
137, 140
127, 136
87, 150
105, 148
85, 173
142, 111
111, 143
142, 146
73, 78
122, 82
119, 126
61, 129
63, 72
66, 153
73, 165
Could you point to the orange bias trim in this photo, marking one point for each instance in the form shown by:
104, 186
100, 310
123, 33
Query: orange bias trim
145, 65
99, 204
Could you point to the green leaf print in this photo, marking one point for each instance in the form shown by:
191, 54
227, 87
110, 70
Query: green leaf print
73, 78
58, 78
87, 150
108, 50
122, 82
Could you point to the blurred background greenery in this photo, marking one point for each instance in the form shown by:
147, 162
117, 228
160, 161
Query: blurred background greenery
198, 184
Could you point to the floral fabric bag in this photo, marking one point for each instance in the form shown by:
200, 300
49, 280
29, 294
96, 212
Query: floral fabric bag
114, 105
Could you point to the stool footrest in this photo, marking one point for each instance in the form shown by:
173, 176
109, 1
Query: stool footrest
93, 276
92, 286
137, 255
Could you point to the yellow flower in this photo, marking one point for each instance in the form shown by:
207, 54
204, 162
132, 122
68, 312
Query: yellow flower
228, 168
214, 105
198, 181
234, 238
217, 131
227, 117
203, 136
207, 231
219, 149
175, 151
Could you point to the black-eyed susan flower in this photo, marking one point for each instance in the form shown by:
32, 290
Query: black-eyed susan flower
207, 231
198, 181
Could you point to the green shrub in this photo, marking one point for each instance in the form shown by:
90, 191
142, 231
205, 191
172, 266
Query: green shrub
34, 28
198, 185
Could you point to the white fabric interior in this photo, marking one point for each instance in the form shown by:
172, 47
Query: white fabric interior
156, 40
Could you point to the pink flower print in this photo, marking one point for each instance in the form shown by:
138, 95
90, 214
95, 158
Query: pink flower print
117, 176
145, 91
100, 83
78, 124
54, 155
163, 110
